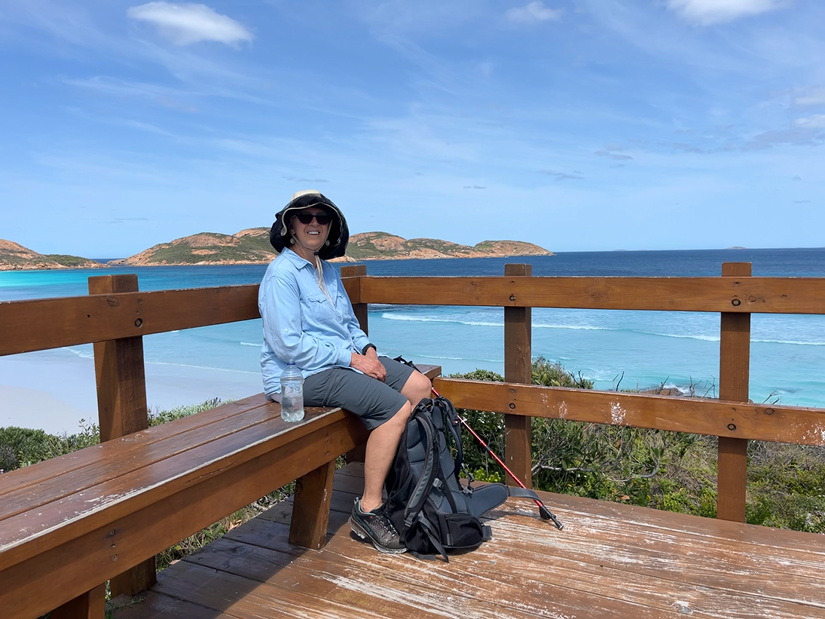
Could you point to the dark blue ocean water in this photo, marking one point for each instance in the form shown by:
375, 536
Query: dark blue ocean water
614, 348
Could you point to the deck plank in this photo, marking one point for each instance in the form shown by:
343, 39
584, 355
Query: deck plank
611, 560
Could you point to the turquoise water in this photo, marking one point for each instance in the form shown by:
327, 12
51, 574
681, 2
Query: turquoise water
621, 349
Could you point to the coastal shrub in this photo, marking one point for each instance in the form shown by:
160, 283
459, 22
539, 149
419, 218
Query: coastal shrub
666, 470
8, 458
671, 471
23, 446
157, 418
68, 261
786, 486
551, 437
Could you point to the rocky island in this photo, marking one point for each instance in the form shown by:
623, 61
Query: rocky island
251, 246
15, 257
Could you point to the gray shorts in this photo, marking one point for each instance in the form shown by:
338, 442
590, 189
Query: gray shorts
372, 400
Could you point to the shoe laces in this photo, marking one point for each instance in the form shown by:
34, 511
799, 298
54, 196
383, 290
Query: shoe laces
379, 521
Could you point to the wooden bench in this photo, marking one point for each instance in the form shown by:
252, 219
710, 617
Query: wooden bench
70, 524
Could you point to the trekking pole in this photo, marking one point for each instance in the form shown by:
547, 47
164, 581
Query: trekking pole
545, 513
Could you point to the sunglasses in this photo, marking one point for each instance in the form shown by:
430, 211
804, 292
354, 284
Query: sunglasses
305, 218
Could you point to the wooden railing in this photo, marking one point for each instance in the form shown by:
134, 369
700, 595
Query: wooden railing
116, 315
734, 297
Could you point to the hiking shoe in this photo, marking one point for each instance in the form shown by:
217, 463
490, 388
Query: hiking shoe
377, 528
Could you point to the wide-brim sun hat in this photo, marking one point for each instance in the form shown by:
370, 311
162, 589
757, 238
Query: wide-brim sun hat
336, 244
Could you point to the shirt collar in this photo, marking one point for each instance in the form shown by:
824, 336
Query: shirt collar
295, 259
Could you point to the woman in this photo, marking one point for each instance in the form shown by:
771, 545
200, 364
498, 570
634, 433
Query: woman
308, 320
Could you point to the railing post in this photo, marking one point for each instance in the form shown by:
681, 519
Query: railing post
119, 371
121, 405
361, 310
734, 378
518, 368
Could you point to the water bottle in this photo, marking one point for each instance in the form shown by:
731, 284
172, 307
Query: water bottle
292, 394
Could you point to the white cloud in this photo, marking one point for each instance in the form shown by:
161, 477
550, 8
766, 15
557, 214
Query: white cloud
814, 96
184, 24
817, 121
707, 12
612, 155
533, 12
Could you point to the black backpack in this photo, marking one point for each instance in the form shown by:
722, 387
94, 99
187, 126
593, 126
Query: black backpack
433, 511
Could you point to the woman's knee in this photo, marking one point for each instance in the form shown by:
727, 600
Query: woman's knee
400, 418
418, 387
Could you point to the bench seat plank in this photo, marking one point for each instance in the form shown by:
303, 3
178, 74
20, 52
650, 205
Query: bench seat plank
155, 472
49, 478
111, 532
31, 487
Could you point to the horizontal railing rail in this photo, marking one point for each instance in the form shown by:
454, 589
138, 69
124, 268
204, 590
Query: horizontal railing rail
68, 321
776, 295
711, 417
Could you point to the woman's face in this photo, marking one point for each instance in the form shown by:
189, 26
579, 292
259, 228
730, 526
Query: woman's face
312, 235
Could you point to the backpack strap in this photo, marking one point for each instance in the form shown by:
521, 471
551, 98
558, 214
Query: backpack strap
452, 424
544, 513
428, 475
428, 528
526, 493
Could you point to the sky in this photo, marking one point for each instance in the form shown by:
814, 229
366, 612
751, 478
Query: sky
582, 125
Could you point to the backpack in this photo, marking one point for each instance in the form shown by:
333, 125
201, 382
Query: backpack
432, 510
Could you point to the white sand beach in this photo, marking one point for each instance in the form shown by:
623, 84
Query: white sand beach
54, 390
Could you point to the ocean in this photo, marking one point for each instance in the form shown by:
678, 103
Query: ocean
615, 349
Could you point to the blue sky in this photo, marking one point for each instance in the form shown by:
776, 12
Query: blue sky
578, 126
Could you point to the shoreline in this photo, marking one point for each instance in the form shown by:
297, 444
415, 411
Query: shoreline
54, 390
120, 262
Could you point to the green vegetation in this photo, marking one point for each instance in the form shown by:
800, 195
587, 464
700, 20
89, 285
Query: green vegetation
380, 245
665, 470
213, 247
72, 262
14, 256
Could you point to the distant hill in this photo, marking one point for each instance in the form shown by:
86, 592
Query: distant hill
383, 246
16, 257
252, 246
246, 247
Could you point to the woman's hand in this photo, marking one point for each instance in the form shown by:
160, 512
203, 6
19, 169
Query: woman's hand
369, 364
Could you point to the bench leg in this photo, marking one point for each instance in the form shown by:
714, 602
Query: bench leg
88, 606
135, 580
358, 454
310, 508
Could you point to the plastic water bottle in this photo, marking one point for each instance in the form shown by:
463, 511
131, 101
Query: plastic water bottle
292, 394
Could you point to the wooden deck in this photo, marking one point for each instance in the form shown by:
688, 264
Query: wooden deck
610, 560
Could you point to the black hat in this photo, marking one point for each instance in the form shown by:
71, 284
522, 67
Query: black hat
336, 245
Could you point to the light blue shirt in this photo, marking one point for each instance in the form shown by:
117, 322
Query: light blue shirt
300, 324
